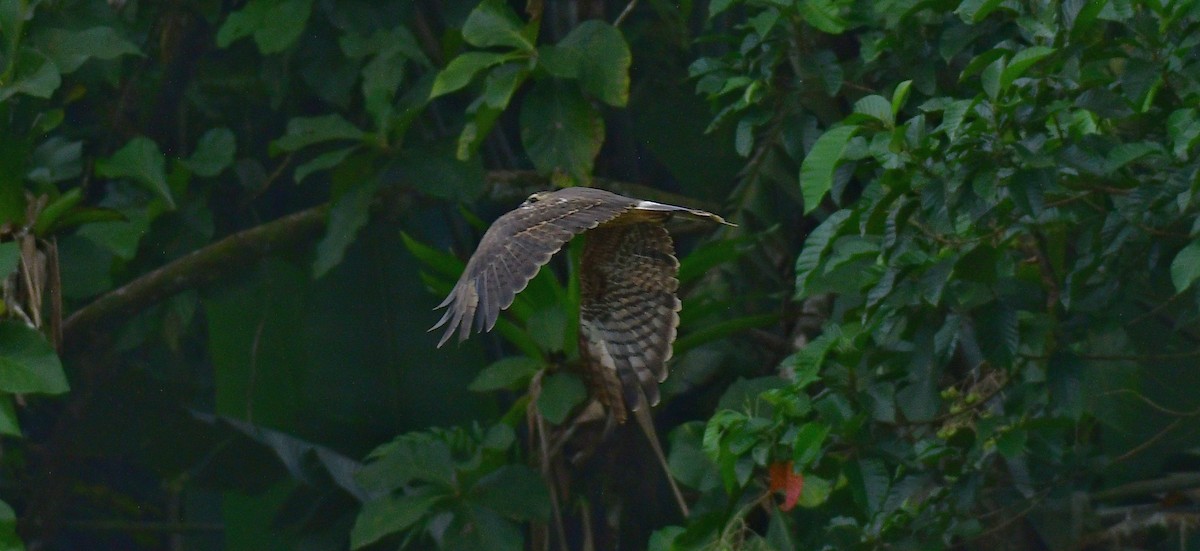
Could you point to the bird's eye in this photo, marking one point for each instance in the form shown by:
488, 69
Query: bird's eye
534, 198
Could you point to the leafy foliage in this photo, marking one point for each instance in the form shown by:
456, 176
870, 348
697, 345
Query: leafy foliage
959, 309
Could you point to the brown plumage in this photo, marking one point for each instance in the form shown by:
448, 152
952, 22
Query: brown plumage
628, 308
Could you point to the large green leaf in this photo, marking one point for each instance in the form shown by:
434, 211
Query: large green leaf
560, 130
9, 540
876, 107
305, 131
974, 11
512, 373
388, 514
28, 364
561, 392
274, 24
9, 424
822, 14
603, 60
322, 162
493, 23
816, 173
56, 160
1021, 62
410, 457
347, 216
34, 74
141, 161
815, 246
214, 152
70, 49
1185, 269
462, 69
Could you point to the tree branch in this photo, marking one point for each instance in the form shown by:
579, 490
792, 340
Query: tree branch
197, 268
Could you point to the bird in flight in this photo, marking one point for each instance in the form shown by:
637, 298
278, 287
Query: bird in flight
628, 309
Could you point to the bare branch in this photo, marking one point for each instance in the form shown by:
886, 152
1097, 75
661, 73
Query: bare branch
196, 269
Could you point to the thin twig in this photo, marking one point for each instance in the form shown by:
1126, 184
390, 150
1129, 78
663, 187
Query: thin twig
1154, 405
625, 13
1149, 442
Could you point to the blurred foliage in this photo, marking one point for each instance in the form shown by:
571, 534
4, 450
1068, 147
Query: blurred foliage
960, 308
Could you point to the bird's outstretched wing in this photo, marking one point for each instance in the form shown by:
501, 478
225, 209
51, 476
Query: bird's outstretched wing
628, 312
515, 247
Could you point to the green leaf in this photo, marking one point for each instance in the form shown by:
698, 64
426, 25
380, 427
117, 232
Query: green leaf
547, 325
28, 364
499, 87
743, 140
974, 11
275, 24
410, 457
121, 237
876, 107
443, 263
214, 153
493, 23
34, 75
347, 216
10, 426
603, 60
56, 160
10, 257
9, 540
477, 528
561, 62
1185, 269
561, 392
502, 83
822, 14
70, 49
869, 483
1082, 21
816, 173
990, 79
899, 97
1021, 62
141, 161
805, 364
815, 246
715, 7
389, 514
511, 373
816, 491
515, 491
1011, 443
1126, 153
324, 161
305, 131
953, 116
53, 211
462, 69
560, 130
806, 447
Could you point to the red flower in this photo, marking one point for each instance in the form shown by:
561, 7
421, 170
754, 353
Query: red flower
782, 477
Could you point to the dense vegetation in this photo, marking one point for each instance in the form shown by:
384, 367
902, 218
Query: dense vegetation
960, 308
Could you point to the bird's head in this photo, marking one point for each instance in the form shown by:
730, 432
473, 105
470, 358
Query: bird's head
536, 197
